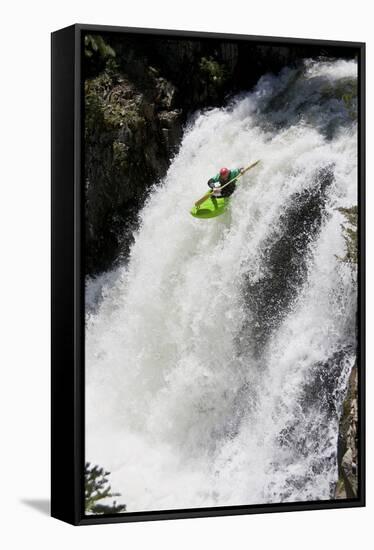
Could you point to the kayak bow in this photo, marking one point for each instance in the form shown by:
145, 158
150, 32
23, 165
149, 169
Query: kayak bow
211, 207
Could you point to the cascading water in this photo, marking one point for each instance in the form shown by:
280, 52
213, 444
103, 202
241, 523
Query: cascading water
218, 355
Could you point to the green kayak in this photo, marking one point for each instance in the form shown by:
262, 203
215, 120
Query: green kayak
210, 208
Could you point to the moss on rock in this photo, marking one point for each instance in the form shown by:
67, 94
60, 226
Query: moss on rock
347, 485
349, 229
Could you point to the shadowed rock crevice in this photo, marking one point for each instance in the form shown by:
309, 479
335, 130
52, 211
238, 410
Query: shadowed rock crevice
285, 261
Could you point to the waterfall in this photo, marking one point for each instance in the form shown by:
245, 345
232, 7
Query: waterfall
217, 356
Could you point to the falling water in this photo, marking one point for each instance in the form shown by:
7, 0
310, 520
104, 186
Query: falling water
218, 355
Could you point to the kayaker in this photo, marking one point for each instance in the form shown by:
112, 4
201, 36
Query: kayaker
225, 175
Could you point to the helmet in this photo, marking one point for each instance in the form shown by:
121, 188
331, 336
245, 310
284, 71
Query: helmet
224, 172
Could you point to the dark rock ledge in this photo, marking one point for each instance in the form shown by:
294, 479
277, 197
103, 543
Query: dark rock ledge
347, 486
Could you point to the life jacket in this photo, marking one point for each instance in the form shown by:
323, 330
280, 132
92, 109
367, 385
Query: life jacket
229, 189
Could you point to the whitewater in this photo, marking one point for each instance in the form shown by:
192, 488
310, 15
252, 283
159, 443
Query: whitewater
218, 353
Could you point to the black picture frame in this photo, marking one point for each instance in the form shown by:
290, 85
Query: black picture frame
67, 384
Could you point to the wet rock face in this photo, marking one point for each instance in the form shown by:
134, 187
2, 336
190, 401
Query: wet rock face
347, 486
129, 138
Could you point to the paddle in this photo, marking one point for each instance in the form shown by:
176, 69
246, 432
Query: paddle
207, 195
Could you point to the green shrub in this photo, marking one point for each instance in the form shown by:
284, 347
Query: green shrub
95, 44
97, 488
214, 71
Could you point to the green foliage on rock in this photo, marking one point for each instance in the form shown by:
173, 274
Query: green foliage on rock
346, 91
349, 97
113, 100
215, 72
97, 488
95, 44
350, 234
120, 159
350, 102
